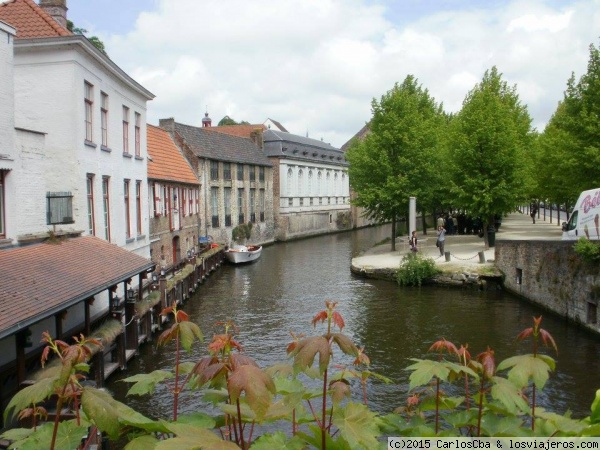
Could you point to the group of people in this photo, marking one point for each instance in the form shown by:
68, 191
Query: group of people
460, 223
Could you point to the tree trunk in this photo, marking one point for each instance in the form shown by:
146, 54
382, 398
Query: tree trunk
424, 222
394, 234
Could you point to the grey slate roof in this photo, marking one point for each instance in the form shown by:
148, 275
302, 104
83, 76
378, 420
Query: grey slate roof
222, 147
280, 144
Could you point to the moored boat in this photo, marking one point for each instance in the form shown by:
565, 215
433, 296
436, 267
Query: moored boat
239, 254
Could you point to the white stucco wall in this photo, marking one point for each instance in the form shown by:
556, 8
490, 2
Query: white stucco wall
49, 98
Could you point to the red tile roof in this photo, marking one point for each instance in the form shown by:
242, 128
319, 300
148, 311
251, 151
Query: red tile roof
167, 162
42, 279
30, 20
237, 130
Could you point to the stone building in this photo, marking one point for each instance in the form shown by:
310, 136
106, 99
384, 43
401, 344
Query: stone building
236, 180
311, 186
174, 201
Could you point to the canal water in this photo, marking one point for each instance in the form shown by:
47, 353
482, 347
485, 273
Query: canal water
281, 292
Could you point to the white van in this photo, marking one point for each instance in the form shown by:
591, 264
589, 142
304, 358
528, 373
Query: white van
585, 218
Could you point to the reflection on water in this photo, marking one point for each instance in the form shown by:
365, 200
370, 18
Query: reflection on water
281, 292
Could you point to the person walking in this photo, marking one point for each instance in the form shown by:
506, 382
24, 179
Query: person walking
413, 242
441, 239
533, 211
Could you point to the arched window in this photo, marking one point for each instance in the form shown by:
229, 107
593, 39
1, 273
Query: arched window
310, 175
289, 182
344, 190
335, 185
300, 190
328, 185
319, 183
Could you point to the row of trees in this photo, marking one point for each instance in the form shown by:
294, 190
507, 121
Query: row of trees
485, 159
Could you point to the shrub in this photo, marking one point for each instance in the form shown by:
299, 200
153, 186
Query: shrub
588, 250
414, 269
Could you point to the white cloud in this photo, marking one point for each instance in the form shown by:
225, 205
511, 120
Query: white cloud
316, 64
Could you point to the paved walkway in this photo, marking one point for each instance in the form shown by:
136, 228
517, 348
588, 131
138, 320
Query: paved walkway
464, 249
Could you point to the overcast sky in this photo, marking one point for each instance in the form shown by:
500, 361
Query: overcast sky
315, 65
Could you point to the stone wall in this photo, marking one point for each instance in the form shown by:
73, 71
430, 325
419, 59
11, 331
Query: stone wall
552, 275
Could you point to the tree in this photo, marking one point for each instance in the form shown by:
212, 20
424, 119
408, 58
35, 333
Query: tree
229, 121
397, 159
490, 138
95, 40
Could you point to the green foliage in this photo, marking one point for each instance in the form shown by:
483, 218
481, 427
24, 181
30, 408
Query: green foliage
242, 232
588, 250
489, 141
415, 269
95, 40
226, 120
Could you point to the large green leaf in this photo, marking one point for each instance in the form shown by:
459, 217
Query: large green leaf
187, 332
345, 344
28, 396
142, 443
189, 437
595, 416
306, 350
424, 370
101, 408
257, 385
145, 383
358, 425
494, 425
68, 436
509, 395
197, 419
524, 368
277, 441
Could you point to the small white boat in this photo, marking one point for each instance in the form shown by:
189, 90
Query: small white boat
239, 254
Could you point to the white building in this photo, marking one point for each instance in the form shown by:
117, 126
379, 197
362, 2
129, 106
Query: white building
311, 186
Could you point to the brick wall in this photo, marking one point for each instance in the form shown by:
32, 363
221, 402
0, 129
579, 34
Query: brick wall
552, 275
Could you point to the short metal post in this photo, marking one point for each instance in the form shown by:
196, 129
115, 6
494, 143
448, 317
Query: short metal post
482, 257
447, 256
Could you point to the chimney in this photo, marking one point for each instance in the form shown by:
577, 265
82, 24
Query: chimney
167, 124
206, 121
256, 136
57, 9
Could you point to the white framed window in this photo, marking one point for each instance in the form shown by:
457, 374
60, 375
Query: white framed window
138, 206
104, 118
138, 137
125, 130
289, 182
300, 186
89, 105
90, 205
126, 206
106, 207
2, 221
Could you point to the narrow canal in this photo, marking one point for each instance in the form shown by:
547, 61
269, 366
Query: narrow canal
284, 289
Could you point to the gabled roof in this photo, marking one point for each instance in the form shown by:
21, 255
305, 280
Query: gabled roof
42, 279
362, 133
167, 163
220, 146
30, 20
278, 125
238, 130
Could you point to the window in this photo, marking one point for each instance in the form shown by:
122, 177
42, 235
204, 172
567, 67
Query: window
240, 206
240, 172
106, 206
89, 104
214, 204
261, 199
2, 226
289, 182
253, 205
214, 170
300, 187
252, 174
138, 125
227, 207
104, 118
138, 206
126, 205
125, 130
90, 205
227, 171
310, 177
319, 184
59, 208
261, 173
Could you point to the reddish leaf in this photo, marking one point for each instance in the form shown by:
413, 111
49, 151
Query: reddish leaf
238, 360
258, 386
45, 355
525, 334
443, 345
362, 358
547, 338
320, 317
204, 363
413, 400
210, 373
168, 335
306, 350
488, 362
339, 389
291, 347
182, 316
536, 322
464, 354
168, 310
337, 319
